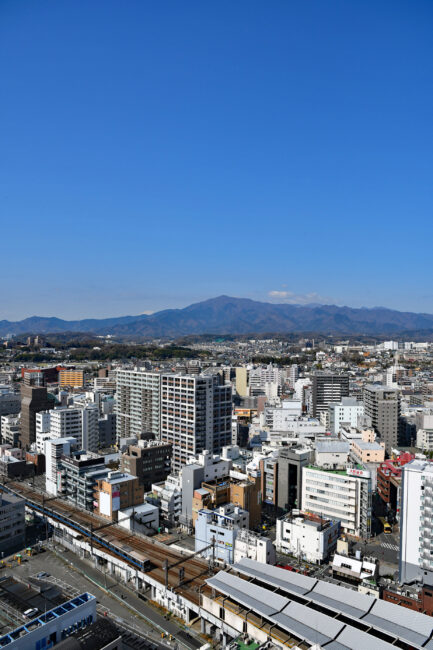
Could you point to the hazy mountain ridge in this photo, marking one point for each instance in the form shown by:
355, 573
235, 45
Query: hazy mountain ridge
225, 315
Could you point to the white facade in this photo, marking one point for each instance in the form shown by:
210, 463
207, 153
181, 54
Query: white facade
142, 519
332, 454
339, 495
54, 450
253, 546
348, 411
424, 439
10, 429
221, 527
416, 560
309, 538
42, 422
265, 377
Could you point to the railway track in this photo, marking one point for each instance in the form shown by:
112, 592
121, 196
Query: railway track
139, 552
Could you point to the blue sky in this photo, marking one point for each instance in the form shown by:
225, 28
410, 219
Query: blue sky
154, 154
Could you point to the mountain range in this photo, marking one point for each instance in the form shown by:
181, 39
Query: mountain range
225, 315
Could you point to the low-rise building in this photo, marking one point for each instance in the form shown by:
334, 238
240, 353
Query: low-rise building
216, 531
307, 536
256, 547
354, 569
368, 452
116, 492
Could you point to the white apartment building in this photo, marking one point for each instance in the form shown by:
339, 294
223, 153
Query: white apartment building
281, 418
10, 429
266, 380
424, 439
309, 537
339, 495
79, 422
416, 542
138, 403
196, 414
54, 450
42, 422
348, 411
253, 546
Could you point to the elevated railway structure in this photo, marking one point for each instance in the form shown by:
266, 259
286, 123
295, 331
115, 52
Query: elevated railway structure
175, 579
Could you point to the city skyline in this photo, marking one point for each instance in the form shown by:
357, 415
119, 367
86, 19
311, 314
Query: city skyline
154, 156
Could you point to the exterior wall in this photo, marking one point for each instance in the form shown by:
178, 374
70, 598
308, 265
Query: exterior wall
382, 405
117, 492
74, 378
12, 521
138, 403
297, 536
195, 415
328, 388
416, 516
366, 455
339, 496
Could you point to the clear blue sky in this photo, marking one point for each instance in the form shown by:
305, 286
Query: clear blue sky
154, 154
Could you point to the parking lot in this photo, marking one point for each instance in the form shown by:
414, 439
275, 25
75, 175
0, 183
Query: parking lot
138, 620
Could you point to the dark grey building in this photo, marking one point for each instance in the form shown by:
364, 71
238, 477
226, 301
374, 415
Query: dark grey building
12, 521
290, 464
33, 400
149, 460
328, 388
107, 430
382, 405
79, 474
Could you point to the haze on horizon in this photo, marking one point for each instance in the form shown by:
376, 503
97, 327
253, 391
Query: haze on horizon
156, 155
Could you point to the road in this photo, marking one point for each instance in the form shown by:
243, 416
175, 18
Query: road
123, 606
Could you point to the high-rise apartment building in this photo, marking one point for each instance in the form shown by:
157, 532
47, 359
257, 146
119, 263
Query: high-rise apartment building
416, 543
382, 405
196, 414
138, 403
33, 400
328, 388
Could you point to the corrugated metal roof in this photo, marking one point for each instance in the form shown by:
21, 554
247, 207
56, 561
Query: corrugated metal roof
249, 595
348, 601
275, 576
329, 446
353, 639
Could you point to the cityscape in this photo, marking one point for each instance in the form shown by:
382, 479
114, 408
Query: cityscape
216, 325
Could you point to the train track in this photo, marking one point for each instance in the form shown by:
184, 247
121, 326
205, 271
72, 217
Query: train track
120, 543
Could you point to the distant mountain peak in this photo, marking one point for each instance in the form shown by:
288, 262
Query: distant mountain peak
230, 315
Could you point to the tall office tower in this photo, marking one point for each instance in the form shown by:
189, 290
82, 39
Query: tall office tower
33, 400
138, 403
328, 388
416, 542
196, 413
382, 405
